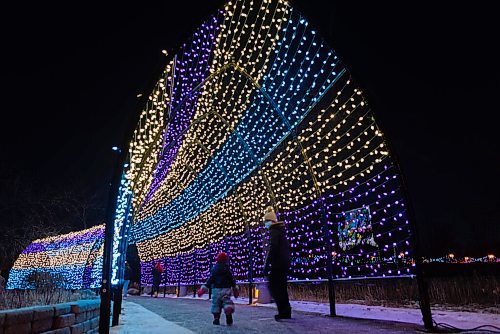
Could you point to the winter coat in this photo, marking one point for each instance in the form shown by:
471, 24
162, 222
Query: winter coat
278, 257
127, 273
156, 277
221, 277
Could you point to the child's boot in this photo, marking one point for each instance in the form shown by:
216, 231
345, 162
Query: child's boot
229, 319
216, 319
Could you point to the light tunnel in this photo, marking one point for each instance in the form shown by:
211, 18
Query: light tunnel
71, 261
256, 109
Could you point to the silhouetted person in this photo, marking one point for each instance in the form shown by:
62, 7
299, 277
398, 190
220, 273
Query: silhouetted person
126, 279
157, 271
277, 264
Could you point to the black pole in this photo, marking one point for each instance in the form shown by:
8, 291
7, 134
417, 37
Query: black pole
179, 277
329, 260
250, 248
118, 292
327, 234
425, 305
105, 308
117, 304
165, 278
250, 267
195, 273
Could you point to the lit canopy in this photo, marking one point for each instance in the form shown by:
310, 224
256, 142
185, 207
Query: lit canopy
256, 109
74, 260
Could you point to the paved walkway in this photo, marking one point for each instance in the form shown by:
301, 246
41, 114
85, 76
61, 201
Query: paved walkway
459, 319
187, 315
195, 316
136, 319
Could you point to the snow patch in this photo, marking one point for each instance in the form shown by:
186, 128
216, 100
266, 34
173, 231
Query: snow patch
458, 319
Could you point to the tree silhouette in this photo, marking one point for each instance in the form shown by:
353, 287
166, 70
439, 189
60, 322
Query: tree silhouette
28, 212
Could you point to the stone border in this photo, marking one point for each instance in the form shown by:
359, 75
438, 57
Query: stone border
76, 317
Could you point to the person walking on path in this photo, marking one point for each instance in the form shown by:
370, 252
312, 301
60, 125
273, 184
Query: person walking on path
277, 264
157, 272
223, 284
126, 279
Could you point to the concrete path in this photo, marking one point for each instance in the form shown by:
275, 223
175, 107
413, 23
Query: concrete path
136, 319
459, 319
195, 315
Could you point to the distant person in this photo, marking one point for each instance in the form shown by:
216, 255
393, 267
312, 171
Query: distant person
277, 264
223, 285
126, 279
157, 272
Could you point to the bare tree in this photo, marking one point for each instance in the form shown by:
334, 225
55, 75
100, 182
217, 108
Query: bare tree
27, 213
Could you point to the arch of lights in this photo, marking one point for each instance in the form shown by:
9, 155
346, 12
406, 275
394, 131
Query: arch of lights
75, 257
256, 109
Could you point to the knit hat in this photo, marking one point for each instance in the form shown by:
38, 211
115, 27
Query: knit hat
222, 258
159, 267
270, 215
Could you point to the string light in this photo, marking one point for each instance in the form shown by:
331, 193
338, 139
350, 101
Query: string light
490, 258
256, 109
76, 257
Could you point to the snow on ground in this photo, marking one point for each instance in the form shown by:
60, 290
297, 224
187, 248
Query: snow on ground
459, 319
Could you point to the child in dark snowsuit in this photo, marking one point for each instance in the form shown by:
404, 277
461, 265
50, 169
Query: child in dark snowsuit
223, 285
157, 272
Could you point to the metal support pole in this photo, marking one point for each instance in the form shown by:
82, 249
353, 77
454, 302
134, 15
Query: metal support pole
250, 269
250, 282
425, 305
165, 274
105, 308
117, 304
327, 235
250, 293
195, 272
179, 279
118, 291
329, 264
250, 252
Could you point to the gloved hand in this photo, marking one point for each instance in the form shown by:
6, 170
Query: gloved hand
202, 290
236, 292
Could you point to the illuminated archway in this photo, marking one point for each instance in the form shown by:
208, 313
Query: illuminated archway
257, 109
74, 260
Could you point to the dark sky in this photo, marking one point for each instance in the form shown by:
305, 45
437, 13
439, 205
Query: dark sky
71, 71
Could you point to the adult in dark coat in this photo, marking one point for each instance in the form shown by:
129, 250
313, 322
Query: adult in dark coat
277, 264
157, 272
126, 279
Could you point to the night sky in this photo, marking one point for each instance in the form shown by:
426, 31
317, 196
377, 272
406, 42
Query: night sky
71, 73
